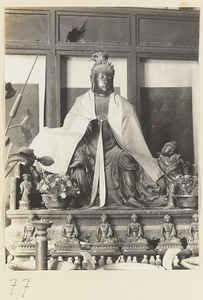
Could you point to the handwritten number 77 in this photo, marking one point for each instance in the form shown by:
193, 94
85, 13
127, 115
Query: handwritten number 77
14, 281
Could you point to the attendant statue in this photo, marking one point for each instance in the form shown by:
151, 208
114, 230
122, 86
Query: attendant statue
134, 230
173, 166
102, 146
70, 232
25, 189
194, 230
168, 231
104, 231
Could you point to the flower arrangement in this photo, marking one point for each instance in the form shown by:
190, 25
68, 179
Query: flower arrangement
187, 185
59, 185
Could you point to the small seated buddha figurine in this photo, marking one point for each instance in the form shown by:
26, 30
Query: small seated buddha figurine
104, 231
70, 242
134, 230
70, 232
105, 242
193, 239
136, 241
168, 231
29, 230
168, 236
27, 242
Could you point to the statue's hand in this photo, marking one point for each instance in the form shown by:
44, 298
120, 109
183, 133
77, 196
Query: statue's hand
76, 164
25, 155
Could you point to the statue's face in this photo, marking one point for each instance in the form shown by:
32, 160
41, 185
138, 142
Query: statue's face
69, 219
30, 218
167, 218
103, 80
167, 150
134, 219
195, 218
103, 219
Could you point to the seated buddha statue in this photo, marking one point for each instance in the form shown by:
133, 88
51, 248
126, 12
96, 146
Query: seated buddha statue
168, 231
134, 231
70, 232
104, 231
29, 231
102, 146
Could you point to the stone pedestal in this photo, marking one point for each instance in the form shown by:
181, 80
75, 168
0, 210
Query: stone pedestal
87, 222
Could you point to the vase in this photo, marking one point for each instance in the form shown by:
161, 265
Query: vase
53, 202
186, 201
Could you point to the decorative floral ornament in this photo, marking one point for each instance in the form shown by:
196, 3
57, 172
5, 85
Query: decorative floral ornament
187, 185
59, 185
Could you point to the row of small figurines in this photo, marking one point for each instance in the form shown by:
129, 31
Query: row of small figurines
98, 262
102, 260
134, 231
105, 234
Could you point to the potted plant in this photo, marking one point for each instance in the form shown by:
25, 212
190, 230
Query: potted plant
186, 191
57, 190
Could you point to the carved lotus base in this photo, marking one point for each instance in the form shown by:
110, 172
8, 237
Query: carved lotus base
105, 248
63, 246
135, 248
24, 250
193, 245
26, 246
164, 246
65, 249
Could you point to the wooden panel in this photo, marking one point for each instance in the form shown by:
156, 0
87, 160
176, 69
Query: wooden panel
166, 115
25, 27
93, 29
168, 33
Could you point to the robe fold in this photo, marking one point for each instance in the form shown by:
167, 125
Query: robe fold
60, 143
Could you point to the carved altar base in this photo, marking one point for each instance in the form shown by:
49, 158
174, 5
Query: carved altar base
87, 222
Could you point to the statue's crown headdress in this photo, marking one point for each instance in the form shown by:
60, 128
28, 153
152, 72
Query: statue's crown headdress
101, 58
172, 143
